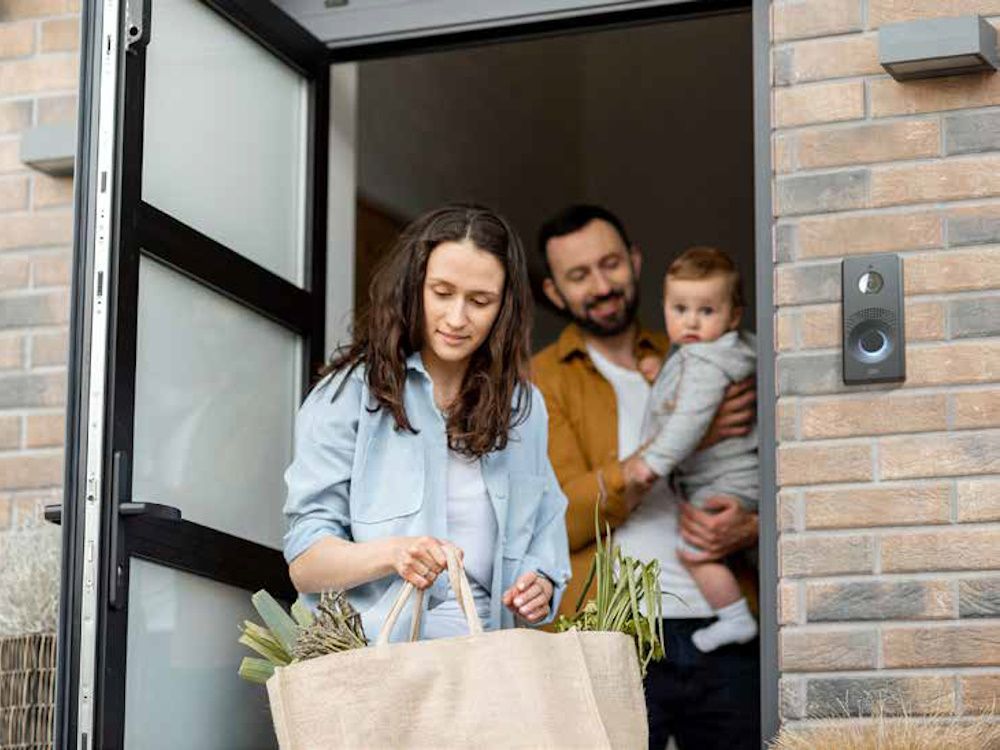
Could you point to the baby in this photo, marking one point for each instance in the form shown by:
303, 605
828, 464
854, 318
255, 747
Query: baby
703, 305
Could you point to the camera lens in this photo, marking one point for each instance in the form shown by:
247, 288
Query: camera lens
870, 283
872, 341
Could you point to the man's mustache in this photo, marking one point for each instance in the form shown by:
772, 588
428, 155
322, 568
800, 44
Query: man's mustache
612, 295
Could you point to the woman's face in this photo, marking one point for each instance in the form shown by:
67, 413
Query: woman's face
463, 289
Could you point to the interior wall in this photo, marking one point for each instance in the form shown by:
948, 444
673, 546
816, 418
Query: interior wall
494, 125
668, 135
654, 122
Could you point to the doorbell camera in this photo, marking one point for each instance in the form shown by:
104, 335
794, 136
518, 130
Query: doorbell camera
874, 339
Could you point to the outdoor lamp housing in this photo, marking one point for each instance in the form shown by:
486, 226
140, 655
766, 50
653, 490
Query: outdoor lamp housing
937, 47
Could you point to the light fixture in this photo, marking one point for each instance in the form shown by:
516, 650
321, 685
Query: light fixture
937, 47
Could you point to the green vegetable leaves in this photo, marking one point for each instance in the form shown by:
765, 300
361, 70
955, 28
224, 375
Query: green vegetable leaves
628, 599
336, 626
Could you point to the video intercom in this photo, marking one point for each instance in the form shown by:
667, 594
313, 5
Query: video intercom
874, 336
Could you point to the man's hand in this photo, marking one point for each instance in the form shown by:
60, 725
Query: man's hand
721, 529
530, 597
735, 415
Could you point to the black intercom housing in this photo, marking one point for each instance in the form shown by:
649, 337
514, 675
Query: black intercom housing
874, 348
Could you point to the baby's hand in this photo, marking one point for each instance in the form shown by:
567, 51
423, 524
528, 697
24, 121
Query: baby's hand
649, 366
638, 472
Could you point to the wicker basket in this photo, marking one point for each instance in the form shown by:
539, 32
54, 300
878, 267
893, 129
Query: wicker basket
27, 691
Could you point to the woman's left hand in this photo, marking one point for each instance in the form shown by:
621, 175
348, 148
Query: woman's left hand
529, 597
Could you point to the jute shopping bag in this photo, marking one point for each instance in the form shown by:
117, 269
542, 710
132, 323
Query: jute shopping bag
515, 688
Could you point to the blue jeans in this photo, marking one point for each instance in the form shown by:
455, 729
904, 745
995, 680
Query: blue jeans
703, 701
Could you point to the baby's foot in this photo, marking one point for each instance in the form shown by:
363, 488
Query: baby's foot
735, 625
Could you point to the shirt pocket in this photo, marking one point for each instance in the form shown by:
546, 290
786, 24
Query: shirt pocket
390, 484
524, 500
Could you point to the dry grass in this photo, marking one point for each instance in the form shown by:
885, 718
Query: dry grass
29, 580
883, 731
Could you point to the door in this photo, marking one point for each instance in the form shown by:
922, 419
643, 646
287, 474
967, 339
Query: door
199, 311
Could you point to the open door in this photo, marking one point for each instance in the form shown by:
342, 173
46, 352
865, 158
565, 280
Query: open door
198, 318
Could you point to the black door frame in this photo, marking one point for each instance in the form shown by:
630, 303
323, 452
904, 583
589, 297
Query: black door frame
141, 530
275, 30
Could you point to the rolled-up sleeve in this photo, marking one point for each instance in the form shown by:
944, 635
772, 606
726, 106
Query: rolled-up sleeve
548, 551
319, 477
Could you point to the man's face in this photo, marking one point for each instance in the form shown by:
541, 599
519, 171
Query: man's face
594, 278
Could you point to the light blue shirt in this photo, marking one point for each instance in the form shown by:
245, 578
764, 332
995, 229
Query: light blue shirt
356, 477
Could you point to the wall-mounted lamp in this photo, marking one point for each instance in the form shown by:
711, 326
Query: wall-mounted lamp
937, 47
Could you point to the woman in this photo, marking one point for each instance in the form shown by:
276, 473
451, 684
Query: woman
426, 433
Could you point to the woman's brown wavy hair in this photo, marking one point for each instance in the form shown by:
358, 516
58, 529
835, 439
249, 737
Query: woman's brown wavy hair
495, 395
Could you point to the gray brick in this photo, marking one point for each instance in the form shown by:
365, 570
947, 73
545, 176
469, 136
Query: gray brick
979, 597
972, 133
864, 696
33, 310
28, 390
786, 240
792, 698
809, 374
878, 601
818, 193
977, 316
798, 285
973, 230
783, 62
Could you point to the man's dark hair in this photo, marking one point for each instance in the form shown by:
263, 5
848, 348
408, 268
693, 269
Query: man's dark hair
572, 219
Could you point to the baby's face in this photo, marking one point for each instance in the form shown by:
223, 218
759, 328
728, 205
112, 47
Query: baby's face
699, 310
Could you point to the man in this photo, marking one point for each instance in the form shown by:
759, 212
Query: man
595, 392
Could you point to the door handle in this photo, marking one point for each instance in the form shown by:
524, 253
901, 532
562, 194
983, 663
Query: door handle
150, 510
54, 511
122, 509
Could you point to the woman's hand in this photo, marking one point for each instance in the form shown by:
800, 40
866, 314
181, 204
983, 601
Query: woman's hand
530, 597
419, 559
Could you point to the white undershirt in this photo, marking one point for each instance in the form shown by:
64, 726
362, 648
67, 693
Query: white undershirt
651, 531
472, 527
631, 393
472, 524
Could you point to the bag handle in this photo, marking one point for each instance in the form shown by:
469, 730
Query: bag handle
459, 585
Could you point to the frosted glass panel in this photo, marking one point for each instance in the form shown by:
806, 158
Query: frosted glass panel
225, 136
216, 392
181, 686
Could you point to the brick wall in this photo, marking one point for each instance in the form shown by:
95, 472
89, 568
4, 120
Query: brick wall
38, 82
889, 506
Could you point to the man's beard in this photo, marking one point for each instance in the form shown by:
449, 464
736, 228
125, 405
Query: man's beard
619, 326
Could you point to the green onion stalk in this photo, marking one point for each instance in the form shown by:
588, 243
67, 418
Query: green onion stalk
628, 599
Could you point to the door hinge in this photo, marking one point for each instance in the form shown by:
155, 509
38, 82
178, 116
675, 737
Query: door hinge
137, 21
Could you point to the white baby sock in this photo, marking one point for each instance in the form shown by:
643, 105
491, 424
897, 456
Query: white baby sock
735, 625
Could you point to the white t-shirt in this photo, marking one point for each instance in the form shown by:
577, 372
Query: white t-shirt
472, 527
651, 532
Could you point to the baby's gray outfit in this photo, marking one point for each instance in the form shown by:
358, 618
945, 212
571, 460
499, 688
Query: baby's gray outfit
683, 402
